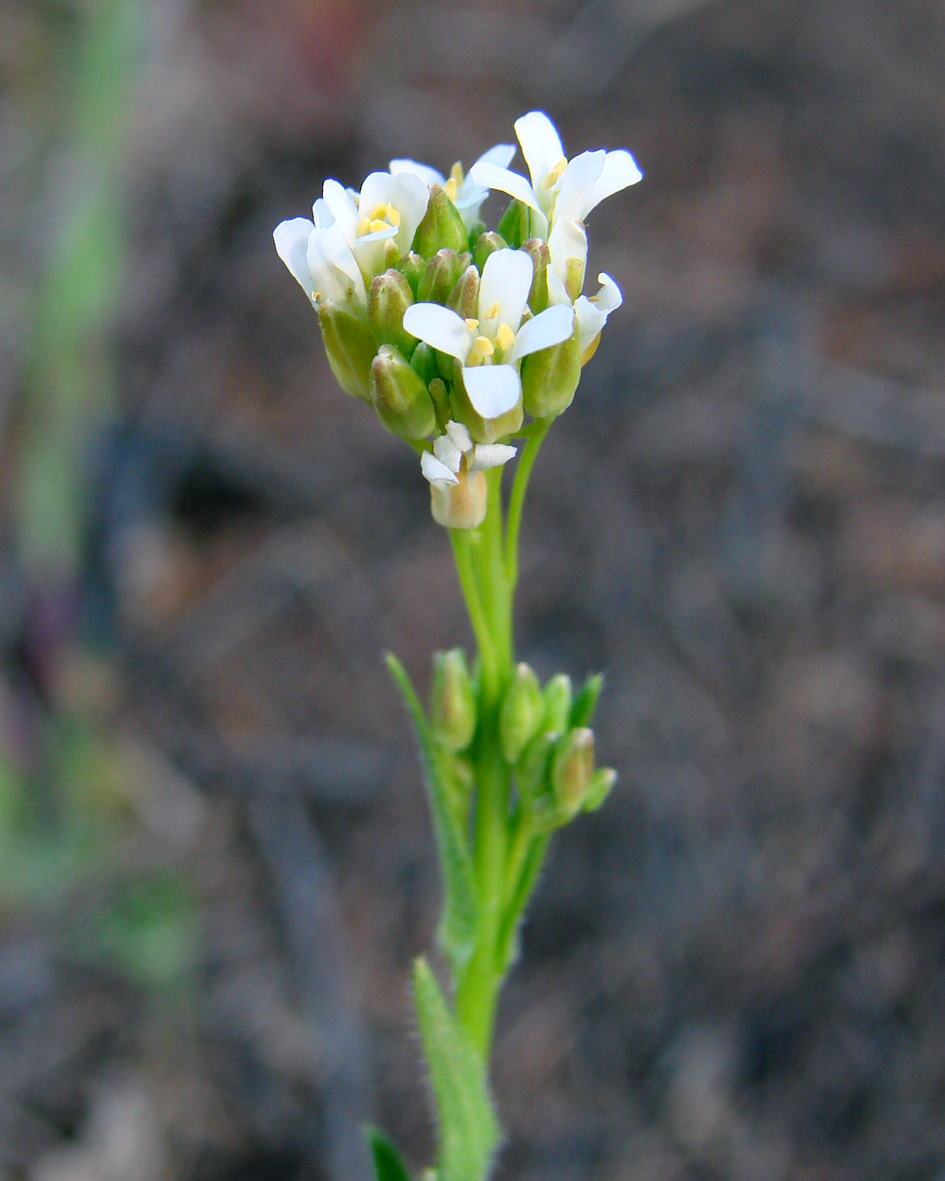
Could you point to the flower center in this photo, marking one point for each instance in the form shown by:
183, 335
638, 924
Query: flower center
383, 217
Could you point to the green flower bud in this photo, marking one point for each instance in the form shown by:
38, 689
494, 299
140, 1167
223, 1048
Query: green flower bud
388, 299
441, 401
585, 703
411, 266
599, 788
442, 227
452, 700
400, 397
423, 362
558, 696
482, 430
521, 714
440, 276
550, 377
531, 775
513, 225
487, 244
461, 505
464, 298
572, 768
349, 346
540, 255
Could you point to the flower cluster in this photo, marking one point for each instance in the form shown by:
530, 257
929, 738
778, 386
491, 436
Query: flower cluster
452, 332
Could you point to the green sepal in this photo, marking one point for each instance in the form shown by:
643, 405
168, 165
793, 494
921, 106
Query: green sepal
423, 362
558, 697
453, 704
400, 399
464, 298
550, 378
513, 225
458, 924
442, 227
389, 298
349, 346
487, 244
601, 785
540, 255
412, 266
582, 711
387, 1163
468, 1129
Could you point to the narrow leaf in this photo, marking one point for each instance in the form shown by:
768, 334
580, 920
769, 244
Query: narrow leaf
387, 1163
519, 899
468, 1129
582, 711
460, 906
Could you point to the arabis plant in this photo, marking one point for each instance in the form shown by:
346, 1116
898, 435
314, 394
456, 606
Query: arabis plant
456, 335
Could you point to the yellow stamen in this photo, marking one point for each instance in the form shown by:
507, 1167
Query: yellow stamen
493, 311
451, 188
505, 337
472, 325
364, 226
383, 217
483, 346
554, 175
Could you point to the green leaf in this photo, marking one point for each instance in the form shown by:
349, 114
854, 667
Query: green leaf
461, 905
387, 1163
582, 711
468, 1129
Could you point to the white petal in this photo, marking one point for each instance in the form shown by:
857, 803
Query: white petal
291, 239
460, 435
541, 144
619, 172
506, 281
590, 320
573, 199
492, 389
501, 155
490, 176
377, 236
488, 455
322, 214
435, 471
428, 175
341, 207
567, 241
557, 292
374, 192
549, 327
340, 258
440, 328
609, 298
410, 196
447, 452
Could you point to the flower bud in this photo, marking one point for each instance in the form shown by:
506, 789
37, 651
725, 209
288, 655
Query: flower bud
349, 346
442, 227
440, 275
482, 430
540, 255
521, 713
558, 695
531, 775
599, 788
400, 397
441, 401
464, 298
550, 378
452, 700
461, 505
411, 266
487, 244
423, 362
388, 299
572, 768
513, 225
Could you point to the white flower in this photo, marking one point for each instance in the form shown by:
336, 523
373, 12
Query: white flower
562, 193
462, 190
591, 314
442, 465
321, 260
378, 222
491, 346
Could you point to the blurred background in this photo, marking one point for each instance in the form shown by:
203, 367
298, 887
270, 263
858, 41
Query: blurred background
215, 863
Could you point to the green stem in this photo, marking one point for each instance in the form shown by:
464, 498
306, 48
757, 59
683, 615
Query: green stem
517, 499
469, 584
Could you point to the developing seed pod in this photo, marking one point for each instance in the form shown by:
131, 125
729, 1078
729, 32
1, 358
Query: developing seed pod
521, 713
452, 700
442, 226
400, 397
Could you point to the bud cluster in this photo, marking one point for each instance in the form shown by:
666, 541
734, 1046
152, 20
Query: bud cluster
452, 332
543, 733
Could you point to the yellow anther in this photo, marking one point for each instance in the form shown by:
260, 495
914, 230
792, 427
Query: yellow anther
383, 217
493, 311
472, 325
364, 226
554, 174
450, 189
377, 224
505, 337
483, 346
